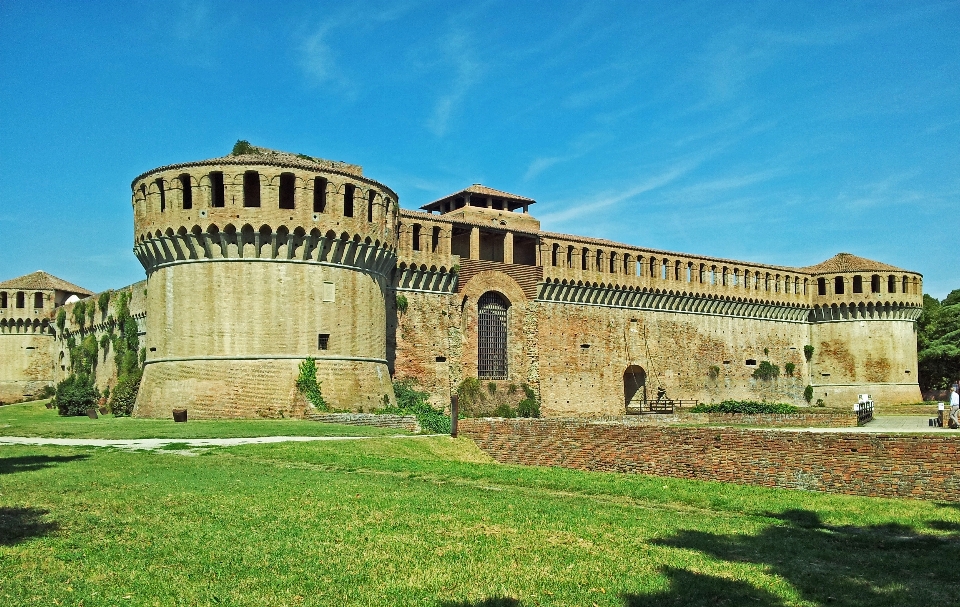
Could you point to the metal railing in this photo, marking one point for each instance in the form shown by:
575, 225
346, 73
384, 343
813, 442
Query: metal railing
864, 412
659, 406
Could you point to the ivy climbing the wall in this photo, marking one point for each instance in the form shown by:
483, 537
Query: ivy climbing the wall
126, 347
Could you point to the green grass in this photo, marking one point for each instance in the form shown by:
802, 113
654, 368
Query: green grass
431, 521
34, 419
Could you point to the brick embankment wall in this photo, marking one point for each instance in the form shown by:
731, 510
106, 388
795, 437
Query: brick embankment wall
400, 422
882, 465
772, 420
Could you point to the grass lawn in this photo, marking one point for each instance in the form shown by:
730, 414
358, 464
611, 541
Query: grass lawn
928, 409
34, 419
431, 521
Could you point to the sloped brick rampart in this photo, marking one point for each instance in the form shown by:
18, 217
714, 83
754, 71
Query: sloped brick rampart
879, 465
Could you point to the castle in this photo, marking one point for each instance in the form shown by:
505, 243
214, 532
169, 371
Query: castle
256, 261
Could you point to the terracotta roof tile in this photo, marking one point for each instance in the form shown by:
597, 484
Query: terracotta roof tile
42, 281
846, 262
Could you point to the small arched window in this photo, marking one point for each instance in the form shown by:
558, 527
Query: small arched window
348, 191
554, 254
821, 286
570, 257
38, 301
891, 284
905, 285
875, 283
3, 299
371, 195
251, 189
584, 258
21, 303
186, 189
858, 284
288, 188
838, 285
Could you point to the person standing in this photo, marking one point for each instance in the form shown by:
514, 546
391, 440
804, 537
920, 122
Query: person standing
954, 407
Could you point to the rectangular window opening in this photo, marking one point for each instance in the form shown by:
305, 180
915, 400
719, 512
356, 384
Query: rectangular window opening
348, 191
163, 195
323, 341
217, 196
251, 189
186, 187
288, 186
319, 194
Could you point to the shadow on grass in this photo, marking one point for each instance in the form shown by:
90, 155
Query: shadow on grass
18, 524
689, 588
30, 463
489, 602
842, 565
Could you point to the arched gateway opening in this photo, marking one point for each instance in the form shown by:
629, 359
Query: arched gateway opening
634, 386
492, 336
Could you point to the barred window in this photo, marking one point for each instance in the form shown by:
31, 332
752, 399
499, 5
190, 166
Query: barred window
492, 360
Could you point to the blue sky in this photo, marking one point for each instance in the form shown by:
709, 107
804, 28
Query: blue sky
773, 132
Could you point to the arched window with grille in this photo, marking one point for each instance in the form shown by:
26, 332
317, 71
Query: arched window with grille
492, 336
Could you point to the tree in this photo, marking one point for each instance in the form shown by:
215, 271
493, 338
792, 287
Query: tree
938, 342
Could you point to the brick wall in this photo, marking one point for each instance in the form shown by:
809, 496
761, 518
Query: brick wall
883, 465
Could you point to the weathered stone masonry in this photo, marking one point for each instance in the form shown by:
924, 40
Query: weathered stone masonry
255, 262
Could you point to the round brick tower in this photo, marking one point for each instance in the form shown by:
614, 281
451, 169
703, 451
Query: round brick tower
255, 262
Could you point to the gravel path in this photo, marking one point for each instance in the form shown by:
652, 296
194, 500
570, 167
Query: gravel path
159, 443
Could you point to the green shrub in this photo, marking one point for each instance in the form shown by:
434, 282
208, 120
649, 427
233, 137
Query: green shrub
104, 343
808, 352
492, 388
61, 320
47, 392
766, 371
808, 394
745, 406
504, 410
103, 301
79, 313
789, 368
242, 147
402, 303
76, 394
411, 401
91, 312
713, 372
309, 386
470, 393
529, 406
124, 395
820, 403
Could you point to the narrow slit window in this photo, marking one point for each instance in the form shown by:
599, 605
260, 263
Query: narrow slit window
288, 186
20, 300
319, 194
163, 195
416, 237
892, 284
875, 284
838, 285
435, 241
348, 191
251, 189
821, 286
858, 284
187, 189
217, 196
3, 300
370, 198
38, 301
323, 341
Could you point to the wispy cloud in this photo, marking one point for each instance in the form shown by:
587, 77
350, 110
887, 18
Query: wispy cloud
458, 55
608, 199
317, 58
580, 147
